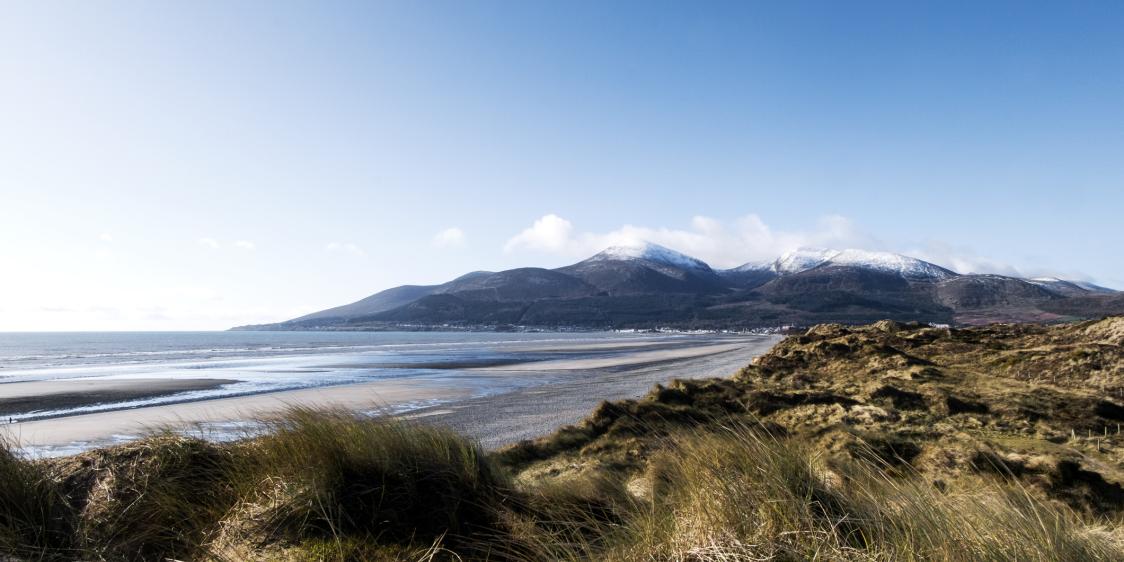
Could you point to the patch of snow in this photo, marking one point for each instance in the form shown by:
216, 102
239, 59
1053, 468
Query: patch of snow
910, 268
1056, 283
803, 259
754, 266
795, 261
651, 252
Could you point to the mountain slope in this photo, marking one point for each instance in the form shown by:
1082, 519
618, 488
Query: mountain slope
646, 269
748, 276
1069, 288
522, 284
374, 304
648, 285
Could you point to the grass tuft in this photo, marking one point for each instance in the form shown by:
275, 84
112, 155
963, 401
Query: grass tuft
36, 521
331, 475
157, 498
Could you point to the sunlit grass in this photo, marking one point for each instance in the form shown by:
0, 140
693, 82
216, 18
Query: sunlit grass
334, 486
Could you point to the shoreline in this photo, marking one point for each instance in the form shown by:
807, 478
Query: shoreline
575, 381
25, 399
635, 358
534, 412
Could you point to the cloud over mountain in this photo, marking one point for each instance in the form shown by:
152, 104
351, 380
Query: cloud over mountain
749, 238
721, 243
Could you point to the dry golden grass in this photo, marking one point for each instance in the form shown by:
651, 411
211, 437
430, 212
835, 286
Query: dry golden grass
330, 486
743, 494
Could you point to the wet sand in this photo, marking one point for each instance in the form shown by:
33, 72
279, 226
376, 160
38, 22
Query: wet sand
106, 428
533, 412
24, 397
574, 388
637, 358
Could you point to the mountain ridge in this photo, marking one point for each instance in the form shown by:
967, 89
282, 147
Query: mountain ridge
646, 285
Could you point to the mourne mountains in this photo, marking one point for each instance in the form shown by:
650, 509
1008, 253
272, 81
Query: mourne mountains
648, 286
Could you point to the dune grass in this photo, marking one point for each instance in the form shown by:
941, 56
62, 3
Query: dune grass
35, 517
742, 494
155, 499
329, 475
323, 484
333, 486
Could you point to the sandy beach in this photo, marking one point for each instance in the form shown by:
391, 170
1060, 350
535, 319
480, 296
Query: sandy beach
634, 359
581, 385
574, 387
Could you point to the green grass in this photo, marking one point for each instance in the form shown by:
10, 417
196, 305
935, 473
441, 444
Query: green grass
332, 486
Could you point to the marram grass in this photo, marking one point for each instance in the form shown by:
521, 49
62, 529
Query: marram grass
333, 486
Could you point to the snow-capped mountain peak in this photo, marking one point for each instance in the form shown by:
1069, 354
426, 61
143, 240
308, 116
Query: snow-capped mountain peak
803, 259
649, 251
910, 268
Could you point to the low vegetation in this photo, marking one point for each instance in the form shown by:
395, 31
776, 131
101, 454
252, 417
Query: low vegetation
887, 442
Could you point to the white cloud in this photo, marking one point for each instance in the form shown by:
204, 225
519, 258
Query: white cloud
550, 233
105, 237
719, 243
345, 248
451, 237
964, 260
245, 245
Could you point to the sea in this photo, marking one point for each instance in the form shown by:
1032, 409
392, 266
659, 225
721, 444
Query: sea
260, 362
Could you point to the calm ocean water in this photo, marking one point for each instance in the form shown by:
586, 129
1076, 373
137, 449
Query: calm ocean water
256, 362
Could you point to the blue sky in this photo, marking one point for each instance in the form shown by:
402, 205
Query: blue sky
206, 164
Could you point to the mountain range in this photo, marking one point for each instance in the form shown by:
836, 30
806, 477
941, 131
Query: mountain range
648, 286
